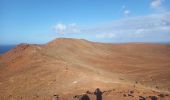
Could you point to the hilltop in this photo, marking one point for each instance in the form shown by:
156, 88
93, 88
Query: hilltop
69, 67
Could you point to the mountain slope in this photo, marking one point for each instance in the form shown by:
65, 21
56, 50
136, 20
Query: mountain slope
70, 66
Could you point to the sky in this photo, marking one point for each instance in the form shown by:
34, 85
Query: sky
114, 21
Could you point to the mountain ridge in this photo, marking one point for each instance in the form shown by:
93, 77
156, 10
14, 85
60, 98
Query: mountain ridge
70, 66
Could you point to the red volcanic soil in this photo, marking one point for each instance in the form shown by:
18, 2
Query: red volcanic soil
69, 69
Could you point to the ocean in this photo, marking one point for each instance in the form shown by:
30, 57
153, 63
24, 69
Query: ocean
5, 48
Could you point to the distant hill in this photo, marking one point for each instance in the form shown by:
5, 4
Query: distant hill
69, 67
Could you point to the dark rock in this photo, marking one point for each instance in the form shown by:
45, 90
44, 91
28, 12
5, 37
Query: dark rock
85, 97
56, 96
88, 92
77, 96
131, 92
156, 87
142, 98
130, 95
161, 95
153, 97
10, 95
136, 82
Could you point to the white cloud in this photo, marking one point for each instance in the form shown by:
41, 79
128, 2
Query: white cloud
139, 31
156, 3
155, 26
66, 29
126, 12
105, 35
60, 27
158, 6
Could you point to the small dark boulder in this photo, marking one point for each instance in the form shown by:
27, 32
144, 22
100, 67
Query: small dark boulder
124, 95
88, 92
141, 98
161, 95
130, 95
131, 92
85, 97
56, 96
153, 97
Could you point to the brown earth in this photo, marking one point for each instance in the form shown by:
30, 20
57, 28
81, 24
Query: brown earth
70, 68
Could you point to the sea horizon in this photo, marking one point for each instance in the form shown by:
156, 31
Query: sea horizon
5, 48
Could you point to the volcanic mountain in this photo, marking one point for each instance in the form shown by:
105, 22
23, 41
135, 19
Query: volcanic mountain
68, 69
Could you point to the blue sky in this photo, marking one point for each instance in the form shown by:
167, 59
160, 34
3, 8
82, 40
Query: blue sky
40, 21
